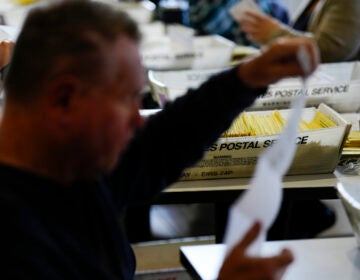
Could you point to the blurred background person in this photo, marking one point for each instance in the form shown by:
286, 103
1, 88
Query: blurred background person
213, 17
334, 24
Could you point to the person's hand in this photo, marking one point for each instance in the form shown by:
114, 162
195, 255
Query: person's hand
238, 265
258, 27
278, 60
5, 52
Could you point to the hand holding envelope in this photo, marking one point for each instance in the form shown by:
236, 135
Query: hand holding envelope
261, 202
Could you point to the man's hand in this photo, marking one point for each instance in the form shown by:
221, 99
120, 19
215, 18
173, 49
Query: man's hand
238, 265
278, 60
5, 52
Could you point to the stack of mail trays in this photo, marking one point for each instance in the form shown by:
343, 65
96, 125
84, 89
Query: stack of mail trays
175, 47
332, 89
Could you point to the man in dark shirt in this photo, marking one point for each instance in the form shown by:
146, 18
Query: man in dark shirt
74, 151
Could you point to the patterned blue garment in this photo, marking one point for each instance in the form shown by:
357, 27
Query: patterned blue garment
212, 17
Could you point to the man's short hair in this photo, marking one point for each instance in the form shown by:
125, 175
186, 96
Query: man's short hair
65, 31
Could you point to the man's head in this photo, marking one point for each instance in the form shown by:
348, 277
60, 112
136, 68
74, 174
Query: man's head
74, 33
76, 70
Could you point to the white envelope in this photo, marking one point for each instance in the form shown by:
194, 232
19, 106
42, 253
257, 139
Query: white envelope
238, 10
261, 202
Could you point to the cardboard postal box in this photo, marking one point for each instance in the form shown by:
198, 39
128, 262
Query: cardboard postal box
318, 151
335, 84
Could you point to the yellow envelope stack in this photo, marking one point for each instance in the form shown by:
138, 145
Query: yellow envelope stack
248, 124
352, 144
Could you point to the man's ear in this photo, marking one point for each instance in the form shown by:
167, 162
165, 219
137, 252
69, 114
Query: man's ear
60, 101
61, 92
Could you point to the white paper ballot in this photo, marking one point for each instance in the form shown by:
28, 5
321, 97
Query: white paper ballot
261, 202
238, 10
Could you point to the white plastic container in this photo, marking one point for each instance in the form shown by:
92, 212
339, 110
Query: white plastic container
141, 11
349, 193
200, 52
168, 85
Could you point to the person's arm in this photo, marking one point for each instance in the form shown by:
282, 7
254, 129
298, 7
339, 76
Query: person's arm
178, 136
262, 28
238, 265
335, 28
